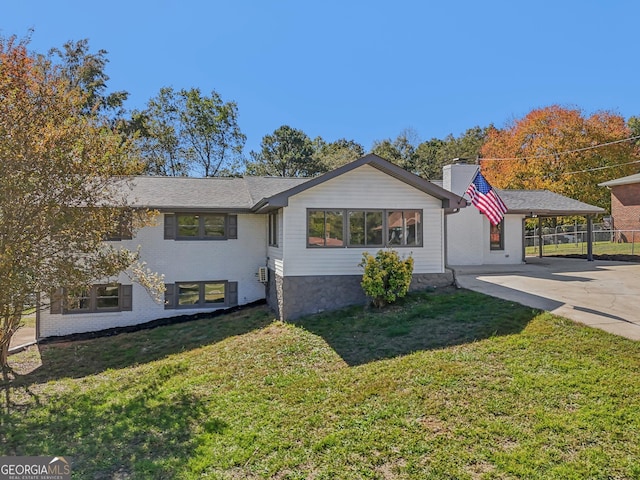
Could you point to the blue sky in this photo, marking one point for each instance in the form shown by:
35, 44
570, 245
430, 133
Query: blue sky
362, 70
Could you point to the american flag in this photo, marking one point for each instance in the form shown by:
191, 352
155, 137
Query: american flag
485, 198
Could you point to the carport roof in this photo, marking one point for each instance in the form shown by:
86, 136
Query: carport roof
544, 203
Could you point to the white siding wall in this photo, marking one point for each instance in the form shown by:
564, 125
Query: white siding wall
468, 230
468, 239
364, 187
275, 253
187, 260
512, 253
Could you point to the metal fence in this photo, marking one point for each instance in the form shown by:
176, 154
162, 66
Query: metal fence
572, 239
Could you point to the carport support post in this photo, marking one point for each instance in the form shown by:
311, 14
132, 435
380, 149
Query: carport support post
589, 238
540, 242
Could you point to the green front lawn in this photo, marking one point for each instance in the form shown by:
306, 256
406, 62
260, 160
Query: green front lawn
445, 385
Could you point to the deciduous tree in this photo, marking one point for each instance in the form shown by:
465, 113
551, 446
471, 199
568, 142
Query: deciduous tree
56, 169
85, 71
634, 125
158, 127
552, 148
187, 133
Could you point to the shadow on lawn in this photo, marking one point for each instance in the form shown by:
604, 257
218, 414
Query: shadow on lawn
421, 321
79, 358
157, 425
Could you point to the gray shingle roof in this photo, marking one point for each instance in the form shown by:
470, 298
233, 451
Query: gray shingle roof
204, 193
544, 202
250, 193
265, 187
621, 181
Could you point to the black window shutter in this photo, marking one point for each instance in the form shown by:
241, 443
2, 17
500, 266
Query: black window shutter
232, 293
169, 226
232, 226
169, 296
127, 297
56, 301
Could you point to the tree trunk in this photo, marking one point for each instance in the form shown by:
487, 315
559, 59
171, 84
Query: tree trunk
4, 351
9, 326
4, 355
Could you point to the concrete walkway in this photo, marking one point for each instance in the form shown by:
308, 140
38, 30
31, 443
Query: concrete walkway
24, 337
601, 294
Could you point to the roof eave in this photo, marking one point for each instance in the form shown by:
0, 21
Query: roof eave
193, 209
554, 213
616, 183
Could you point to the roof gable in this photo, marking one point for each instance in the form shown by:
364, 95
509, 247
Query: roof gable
449, 200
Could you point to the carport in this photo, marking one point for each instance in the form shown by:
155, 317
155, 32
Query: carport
545, 204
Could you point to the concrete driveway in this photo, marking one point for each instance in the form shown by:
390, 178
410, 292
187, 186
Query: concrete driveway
600, 294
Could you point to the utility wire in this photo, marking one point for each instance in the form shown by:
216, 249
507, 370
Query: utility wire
601, 168
547, 155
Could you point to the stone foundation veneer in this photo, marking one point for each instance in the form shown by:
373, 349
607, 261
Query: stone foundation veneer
294, 297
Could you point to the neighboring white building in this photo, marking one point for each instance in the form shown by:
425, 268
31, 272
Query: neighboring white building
213, 235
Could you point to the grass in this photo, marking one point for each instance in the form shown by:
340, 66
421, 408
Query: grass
443, 385
28, 318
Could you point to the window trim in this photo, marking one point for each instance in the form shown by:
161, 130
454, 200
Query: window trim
500, 246
201, 303
346, 224
325, 210
93, 300
365, 211
419, 233
201, 226
273, 229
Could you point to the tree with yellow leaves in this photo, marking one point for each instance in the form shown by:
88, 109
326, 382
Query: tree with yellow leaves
553, 148
58, 201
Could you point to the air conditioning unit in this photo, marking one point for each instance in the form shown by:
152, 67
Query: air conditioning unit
263, 274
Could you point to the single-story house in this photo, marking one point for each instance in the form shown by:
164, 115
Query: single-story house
295, 242
625, 206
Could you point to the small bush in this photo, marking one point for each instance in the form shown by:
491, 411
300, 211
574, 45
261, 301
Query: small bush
386, 276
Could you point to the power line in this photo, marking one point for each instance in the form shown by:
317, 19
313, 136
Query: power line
548, 155
601, 168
